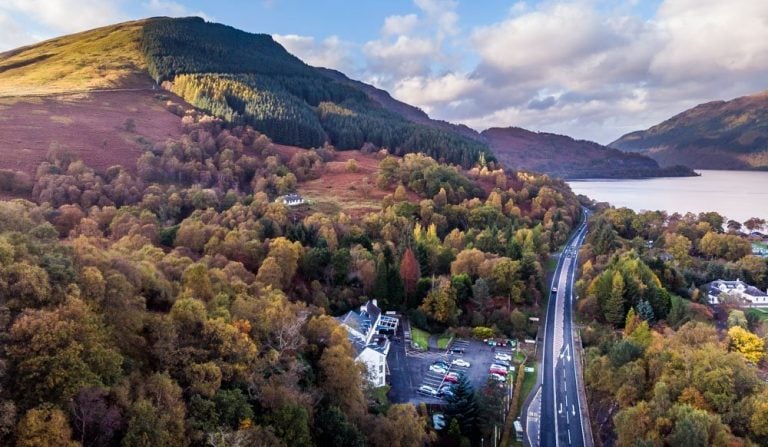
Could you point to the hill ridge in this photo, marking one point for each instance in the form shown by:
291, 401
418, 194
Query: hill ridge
719, 134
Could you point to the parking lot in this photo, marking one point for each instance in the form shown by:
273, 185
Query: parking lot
411, 369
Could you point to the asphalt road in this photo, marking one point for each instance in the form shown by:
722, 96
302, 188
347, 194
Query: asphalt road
561, 423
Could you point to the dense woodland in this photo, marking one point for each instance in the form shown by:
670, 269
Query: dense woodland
178, 303
658, 371
249, 79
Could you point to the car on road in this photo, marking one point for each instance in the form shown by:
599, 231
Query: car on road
505, 357
554, 289
461, 362
427, 390
440, 369
498, 377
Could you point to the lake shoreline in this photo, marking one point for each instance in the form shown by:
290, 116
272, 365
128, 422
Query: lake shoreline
736, 195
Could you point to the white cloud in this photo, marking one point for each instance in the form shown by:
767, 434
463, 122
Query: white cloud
67, 15
441, 91
570, 67
331, 52
395, 25
12, 35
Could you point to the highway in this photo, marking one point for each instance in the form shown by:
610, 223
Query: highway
559, 402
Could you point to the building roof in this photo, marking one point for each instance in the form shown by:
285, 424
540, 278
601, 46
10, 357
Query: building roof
372, 311
715, 287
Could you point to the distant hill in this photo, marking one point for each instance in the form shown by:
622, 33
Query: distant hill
715, 135
565, 157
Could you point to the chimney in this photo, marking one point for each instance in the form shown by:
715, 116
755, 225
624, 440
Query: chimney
375, 302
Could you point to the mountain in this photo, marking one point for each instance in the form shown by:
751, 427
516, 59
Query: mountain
715, 135
565, 157
243, 78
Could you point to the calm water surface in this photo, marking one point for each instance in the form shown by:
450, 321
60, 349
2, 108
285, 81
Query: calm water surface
737, 195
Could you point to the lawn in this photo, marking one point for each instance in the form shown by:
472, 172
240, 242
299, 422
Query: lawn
420, 338
528, 382
442, 342
763, 315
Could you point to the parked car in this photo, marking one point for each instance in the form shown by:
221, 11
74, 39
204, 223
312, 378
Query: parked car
427, 390
501, 372
461, 362
452, 377
501, 356
440, 369
446, 390
457, 350
438, 421
498, 377
503, 363
441, 362
499, 366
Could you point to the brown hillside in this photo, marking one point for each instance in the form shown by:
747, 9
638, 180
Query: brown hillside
92, 125
715, 135
565, 157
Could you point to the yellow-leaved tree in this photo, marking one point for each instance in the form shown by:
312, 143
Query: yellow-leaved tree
748, 344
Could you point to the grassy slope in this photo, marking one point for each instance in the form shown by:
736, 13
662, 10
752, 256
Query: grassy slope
420, 338
107, 57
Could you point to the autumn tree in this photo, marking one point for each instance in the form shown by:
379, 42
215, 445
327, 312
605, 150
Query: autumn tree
410, 271
44, 426
440, 304
748, 344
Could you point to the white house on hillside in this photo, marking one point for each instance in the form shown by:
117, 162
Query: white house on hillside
739, 291
292, 200
371, 348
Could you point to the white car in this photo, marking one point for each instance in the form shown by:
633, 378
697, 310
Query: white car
461, 362
498, 377
428, 390
438, 420
505, 357
438, 369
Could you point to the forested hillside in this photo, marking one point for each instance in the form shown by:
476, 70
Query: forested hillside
672, 375
248, 78
183, 305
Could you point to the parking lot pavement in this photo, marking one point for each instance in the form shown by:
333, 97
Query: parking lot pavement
408, 371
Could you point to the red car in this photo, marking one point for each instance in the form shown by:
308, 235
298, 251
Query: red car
451, 377
498, 371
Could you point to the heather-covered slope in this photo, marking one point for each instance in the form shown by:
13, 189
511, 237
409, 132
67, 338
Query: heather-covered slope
716, 135
565, 157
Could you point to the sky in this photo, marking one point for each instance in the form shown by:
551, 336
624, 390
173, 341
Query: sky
591, 69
